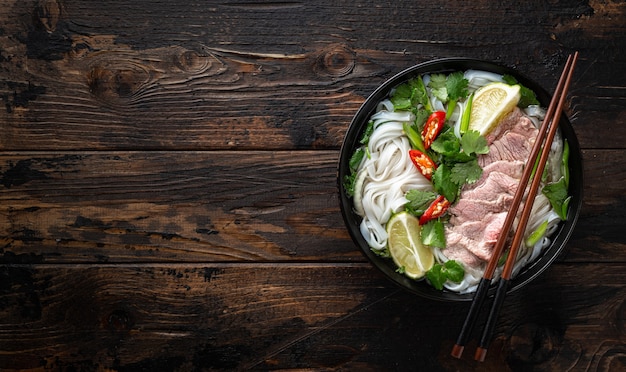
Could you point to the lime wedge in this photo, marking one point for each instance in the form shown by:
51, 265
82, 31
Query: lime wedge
405, 245
490, 104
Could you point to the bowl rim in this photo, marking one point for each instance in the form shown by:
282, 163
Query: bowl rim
446, 65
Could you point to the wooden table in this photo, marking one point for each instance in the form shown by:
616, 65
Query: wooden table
168, 196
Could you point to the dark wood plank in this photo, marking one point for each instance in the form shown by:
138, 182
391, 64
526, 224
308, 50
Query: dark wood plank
181, 206
240, 75
277, 316
222, 206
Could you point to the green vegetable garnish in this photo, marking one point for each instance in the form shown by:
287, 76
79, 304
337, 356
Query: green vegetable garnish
465, 119
449, 89
369, 129
414, 137
534, 237
419, 200
459, 163
556, 192
439, 274
433, 234
565, 163
411, 95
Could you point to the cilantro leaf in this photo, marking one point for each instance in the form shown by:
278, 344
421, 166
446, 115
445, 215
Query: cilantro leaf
410, 94
443, 184
433, 234
421, 115
419, 201
456, 86
401, 97
439, 274
438, 88
473, 143
436, 277
454, 271
467, 172
446, 143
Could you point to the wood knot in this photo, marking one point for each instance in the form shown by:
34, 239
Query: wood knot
115, 83
532, 344
48, 14
336, 61
195, 62
119, 321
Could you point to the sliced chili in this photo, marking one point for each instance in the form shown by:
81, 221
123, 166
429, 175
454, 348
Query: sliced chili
432, 127
423, 163
436, 209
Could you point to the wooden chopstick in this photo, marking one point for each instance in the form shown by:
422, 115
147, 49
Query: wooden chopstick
548, 127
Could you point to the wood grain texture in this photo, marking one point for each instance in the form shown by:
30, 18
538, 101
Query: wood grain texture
221, 206
168, 195
130, 317
240, 75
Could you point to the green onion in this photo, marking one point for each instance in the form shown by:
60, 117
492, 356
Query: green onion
565, 163
465, 119
414, 138
536, 235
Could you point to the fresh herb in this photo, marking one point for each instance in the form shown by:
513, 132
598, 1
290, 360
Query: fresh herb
421, 115
556, 192
410, 95
437, 85
356, 159
527, 96
473, 143
456, 84
348, 183
414, 137
369, 129
443, 184
354, 162
449, 89
433, 234
467, 114
534, 237
565, 163
467, 172
459, 164
446, 144
439, 274
418, 201
384, 253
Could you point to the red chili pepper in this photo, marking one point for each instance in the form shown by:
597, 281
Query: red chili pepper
435, 210
432, 127
423, 163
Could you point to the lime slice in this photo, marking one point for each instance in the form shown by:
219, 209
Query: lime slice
405, 245
490, 104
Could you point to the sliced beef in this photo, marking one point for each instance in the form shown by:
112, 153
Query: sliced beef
477, 218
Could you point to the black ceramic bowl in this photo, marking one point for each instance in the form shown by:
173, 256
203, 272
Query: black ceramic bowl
351, 142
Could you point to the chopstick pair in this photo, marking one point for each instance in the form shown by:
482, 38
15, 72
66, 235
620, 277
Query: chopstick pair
546, 132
